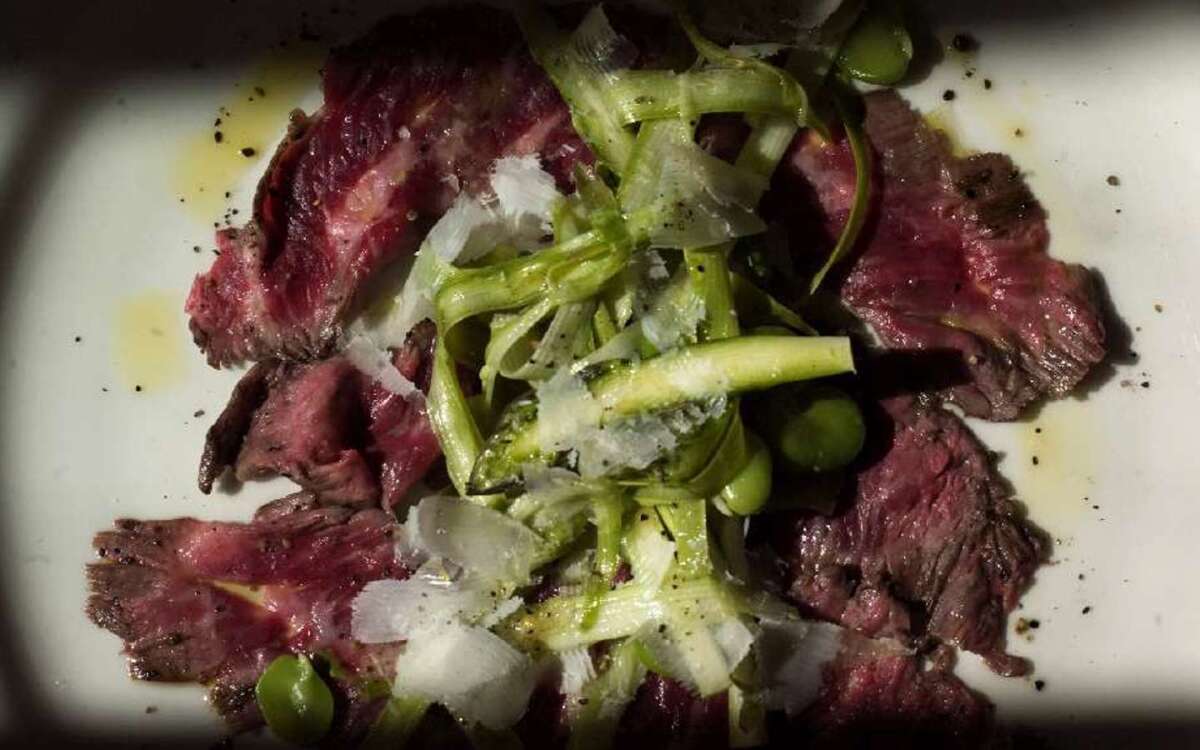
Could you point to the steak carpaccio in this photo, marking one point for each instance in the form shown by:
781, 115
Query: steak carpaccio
927, 550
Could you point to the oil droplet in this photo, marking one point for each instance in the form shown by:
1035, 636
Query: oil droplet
149, 341
1062, 439
253, 120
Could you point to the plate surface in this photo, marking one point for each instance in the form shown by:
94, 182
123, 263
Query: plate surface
106, 115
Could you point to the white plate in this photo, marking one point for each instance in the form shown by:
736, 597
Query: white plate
101, 111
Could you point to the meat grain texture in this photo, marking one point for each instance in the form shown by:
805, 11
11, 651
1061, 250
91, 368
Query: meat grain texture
414, 112
953, 259
215, 603
332, 429
929, 545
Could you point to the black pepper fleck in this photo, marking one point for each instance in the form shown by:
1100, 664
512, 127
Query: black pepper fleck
1113, 180
963, 42
1039, 685
248, 152
1085, 610
198, 413
987, 83
949, 95
218, 136
1035, 461
137, 388
1035, 624
78, 339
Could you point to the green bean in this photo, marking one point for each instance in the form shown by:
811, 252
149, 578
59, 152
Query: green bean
815, 430
294, 700
750, 489
878, 48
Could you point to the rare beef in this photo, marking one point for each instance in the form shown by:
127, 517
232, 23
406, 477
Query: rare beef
929, 546
875, 695
215, 603
333, 429
666, 714
415, 111
952, 259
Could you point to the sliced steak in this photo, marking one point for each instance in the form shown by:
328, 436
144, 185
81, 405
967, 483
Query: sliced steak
329, 427
928, 546
953, 258
215, 603
416, 110
875, 695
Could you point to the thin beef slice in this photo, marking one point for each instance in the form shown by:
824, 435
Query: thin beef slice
953, 259
929, 545
332, 429
215, 603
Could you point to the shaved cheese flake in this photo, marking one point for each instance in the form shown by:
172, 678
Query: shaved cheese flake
387, 611
478, 676
565, 408
791, 655
735, 640
459, 236
501, 612
672, 325
577, 670
524, 191
483, 541
649, 551
377, 363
